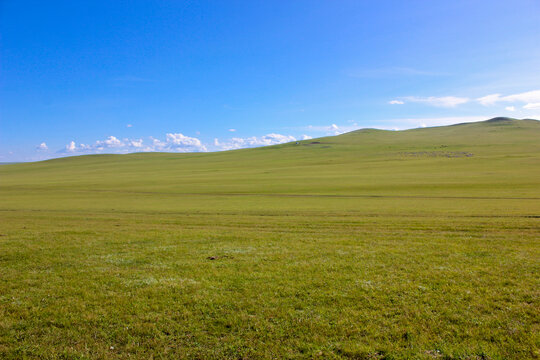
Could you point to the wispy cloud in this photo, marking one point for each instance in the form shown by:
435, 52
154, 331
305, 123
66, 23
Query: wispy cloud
531, 99
489, 99
527, 97
442, 101
531, 106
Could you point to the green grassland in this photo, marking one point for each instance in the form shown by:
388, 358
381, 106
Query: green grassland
417, 244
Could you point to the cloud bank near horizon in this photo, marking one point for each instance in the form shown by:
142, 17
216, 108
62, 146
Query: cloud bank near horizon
173, 142
529, 100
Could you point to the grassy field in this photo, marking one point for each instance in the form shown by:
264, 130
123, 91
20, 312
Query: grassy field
420, 244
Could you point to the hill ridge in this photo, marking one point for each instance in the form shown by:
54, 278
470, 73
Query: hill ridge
437, 138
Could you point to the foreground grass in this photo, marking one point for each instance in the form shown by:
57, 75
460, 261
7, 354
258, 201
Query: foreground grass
439, 261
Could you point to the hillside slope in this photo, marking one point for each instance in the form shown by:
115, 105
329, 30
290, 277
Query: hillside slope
495, 158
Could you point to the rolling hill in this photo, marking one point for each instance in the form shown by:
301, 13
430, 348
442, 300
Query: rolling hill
494, 158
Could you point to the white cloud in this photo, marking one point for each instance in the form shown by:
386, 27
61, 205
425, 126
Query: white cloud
180, 141
531, 106
129, 125
110, 142
489, 99
136, 143
175, 142
99, 146
306, 137
156, 143
396, 102
443, 101
510, 108
254, 141
530, 98
232, 130
71, 147
527, 97
42, 147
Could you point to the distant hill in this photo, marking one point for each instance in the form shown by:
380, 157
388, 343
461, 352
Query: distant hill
497, 157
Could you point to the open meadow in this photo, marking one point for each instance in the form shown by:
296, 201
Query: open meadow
373, 244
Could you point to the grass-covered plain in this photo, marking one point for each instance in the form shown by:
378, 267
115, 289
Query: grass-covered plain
370, 245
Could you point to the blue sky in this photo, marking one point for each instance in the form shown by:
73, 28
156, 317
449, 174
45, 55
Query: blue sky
121, 76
